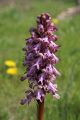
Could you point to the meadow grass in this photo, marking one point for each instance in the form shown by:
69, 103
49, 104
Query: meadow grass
15, 21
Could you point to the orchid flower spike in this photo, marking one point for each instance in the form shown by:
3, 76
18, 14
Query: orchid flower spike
40, 60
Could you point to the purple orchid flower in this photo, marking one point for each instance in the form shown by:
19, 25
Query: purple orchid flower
40, 60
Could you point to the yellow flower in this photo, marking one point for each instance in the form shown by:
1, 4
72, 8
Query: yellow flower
11, 71
10, 63
55, 21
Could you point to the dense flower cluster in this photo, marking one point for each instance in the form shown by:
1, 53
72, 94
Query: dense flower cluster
40, 60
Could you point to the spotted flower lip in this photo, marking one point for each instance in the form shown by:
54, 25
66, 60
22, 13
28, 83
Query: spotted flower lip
40, 60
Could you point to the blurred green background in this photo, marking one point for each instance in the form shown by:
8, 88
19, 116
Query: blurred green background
16, 17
